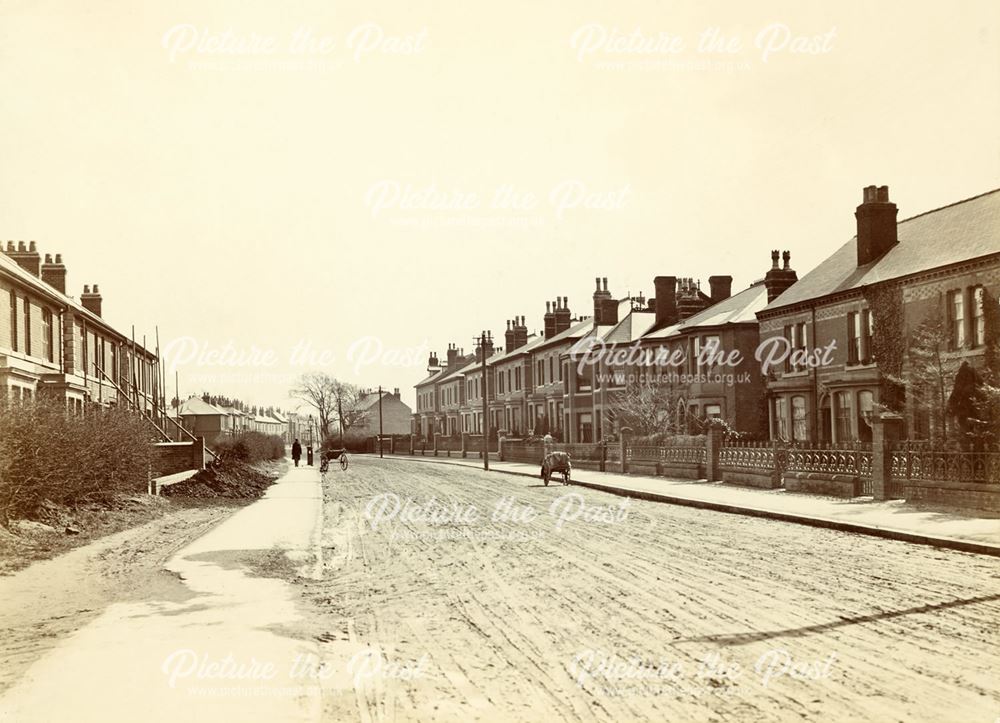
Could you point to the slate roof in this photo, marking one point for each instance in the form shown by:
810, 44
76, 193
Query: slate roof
736, 309
198, 407
960, 232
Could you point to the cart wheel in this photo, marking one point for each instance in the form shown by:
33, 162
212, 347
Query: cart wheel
343, 461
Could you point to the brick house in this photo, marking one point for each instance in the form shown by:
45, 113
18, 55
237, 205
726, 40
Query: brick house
729, 323
395, 413
936, 262
55, 346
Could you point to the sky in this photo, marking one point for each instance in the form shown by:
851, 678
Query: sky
345, 186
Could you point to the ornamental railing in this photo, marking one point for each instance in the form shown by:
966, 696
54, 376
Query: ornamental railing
922, 462
854, 459
763, 456
693, 454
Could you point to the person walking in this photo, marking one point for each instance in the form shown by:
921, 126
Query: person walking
296, 451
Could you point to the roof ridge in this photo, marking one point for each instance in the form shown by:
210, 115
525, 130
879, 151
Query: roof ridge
948, 205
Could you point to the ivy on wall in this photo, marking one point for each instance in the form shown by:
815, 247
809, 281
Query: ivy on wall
889, 342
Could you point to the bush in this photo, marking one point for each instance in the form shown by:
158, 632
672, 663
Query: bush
354, 441
250, 447
49, 455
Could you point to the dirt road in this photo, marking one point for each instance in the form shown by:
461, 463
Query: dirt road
410, 591
628, 610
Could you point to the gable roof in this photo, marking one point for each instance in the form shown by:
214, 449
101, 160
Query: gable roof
29, 279
198, 407
739, 308
576, 328
959, 232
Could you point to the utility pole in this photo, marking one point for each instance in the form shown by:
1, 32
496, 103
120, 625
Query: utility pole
486, 418
380, 421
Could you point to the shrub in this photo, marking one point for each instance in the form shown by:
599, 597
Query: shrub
48, 454
354, 441
250, 447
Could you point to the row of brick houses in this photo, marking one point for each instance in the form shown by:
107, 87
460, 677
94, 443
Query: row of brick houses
946, 260
55, 346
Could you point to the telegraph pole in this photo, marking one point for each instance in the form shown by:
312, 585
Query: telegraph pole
486, 418
380, 421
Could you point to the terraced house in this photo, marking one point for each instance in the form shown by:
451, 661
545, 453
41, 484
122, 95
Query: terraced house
869, 298
55, 346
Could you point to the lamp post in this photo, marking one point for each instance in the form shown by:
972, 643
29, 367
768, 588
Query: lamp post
484, 388
380, 421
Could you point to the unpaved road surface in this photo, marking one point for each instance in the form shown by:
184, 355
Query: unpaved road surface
412, 591
647, 612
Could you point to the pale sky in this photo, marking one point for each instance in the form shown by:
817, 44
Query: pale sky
222, 173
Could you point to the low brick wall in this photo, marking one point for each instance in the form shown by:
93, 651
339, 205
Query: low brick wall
766, 479
682, 470
976, 495
174, 457
814, 483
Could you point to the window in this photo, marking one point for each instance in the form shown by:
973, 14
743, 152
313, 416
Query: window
47, 353
517, 378
780, 430
844, 414
713, 411
867, 327
978, 316
13, 320
956, 318
866, 405
799, 427
541, 373
853, 338
552, 375
27, 326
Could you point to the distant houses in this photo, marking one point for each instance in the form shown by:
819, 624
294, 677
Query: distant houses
882, 285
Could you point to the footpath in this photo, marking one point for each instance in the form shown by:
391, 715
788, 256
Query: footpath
953, 528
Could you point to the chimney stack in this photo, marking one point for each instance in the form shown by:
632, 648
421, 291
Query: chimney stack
721, 286
563, 317
689, 301
452, 355
778, 279
54, 273
432, 363
508, 337
665, 301
549, 321
520, 334
27, 257
91, 300
876, 218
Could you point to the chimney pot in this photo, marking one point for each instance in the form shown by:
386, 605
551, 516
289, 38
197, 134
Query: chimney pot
48, 258
21, 247
598, 281
605, 280
31, 246
86, 288
774, 259
786, 257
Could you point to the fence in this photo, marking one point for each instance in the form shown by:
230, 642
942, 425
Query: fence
885, 469
922, 462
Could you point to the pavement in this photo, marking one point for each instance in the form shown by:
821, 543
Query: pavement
953, 528
214, 648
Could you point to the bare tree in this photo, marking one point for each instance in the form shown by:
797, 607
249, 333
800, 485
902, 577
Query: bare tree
322, 392
649, 407
929, 373
347, 398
